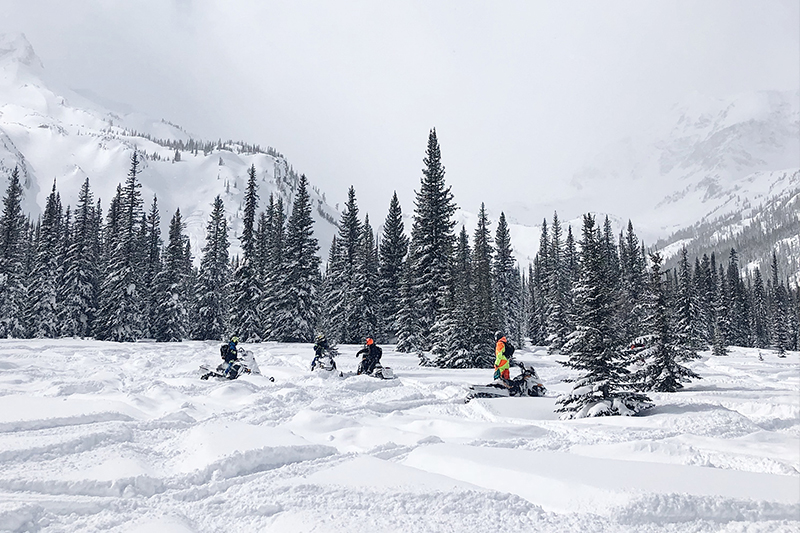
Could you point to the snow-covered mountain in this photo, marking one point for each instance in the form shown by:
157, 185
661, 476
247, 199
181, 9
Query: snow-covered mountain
53, 133
706, 160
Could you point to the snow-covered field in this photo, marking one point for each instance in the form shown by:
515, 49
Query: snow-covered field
125, 437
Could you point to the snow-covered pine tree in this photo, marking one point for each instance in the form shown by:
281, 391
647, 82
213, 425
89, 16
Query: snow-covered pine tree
350, 234
736, 304
721, 323
211, 289
332, 296
298, 312
632, 283
454, 339
662, 347
392, 253
687, 306
121, 308
274, 266
245, 288
485, 316
365, 281
171, 287
431, 249
780, 311
533, 325
152, 267
760, 313
593, 348
542, 275
557, 291
43, 280
12, 242
506, 284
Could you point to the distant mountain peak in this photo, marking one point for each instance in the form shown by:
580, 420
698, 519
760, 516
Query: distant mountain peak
15, 49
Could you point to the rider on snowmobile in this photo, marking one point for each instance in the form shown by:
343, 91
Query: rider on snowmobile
502, 353
372, 356
230, 353
320, 347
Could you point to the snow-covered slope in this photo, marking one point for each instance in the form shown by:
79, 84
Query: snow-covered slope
703, 159
53, 133
101, 436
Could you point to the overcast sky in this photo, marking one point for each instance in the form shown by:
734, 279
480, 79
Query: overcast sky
521, 93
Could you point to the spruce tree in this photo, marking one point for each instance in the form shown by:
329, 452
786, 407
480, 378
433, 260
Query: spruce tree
633, 280
245, 289
152, 268
121, 306
274, 261
453, 339
485, 315
43, 280
211, 290
12, 241
760, 314
556, 291
431, 249
780, 311
687, 305
592, 348
298, 311
506, 284
171, 287
721, 324
366, 282
664, 345
392, 252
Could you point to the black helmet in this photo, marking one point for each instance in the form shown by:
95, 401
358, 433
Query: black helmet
320, 337
498, 335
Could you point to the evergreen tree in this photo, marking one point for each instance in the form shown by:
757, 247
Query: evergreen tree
506, 284
592, 347
663, 346
485, 321
298, 311
12, 242
211, 290
153, 244
392, 253
454, 339
366, 282
171, 285
721, 324
780, 311
43, 280
687, 305
121, 308
557, 289
760, 315
431, 249
736, 304
633, 281
542, 282
274, 266
246, 292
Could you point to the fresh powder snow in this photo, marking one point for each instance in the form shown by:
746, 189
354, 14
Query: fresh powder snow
98, 436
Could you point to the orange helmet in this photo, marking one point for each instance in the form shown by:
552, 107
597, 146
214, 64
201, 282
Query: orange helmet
370, 341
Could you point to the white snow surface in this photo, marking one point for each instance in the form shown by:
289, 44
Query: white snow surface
98, 436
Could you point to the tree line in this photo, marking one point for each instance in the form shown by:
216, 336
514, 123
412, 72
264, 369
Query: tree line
626, 324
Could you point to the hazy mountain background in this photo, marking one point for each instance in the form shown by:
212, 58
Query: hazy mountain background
714, 172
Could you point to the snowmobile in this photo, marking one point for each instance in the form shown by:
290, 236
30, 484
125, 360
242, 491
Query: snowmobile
378, 371
324, 363
527, 383
245, 363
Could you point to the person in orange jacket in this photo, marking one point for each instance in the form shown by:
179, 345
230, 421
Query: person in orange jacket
502, 352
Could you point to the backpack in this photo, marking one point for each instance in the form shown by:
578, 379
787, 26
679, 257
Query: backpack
225, 352
509, 350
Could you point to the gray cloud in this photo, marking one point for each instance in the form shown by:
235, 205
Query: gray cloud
521, 93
